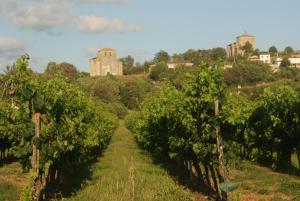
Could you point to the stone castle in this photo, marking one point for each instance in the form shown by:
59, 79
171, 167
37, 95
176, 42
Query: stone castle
106, 62
234, 49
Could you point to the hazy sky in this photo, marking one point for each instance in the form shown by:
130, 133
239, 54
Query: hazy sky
73, 30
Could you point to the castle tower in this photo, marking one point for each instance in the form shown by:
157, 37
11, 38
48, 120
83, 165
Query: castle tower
106, 62
234, 49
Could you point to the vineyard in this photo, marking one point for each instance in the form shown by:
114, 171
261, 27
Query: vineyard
49, 126
192, 126
185, 126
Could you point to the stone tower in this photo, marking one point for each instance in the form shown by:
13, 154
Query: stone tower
234, 49
242, 40
106, 62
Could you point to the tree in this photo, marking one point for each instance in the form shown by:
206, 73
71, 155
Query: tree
218, 53
128, 63
106, 89
285, 62
157, 70
195, 56
65, 70
256, 52
273, 51
247, 72
177, 57
247, 48
288, 51
161, 56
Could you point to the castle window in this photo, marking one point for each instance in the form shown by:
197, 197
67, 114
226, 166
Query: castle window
110, 54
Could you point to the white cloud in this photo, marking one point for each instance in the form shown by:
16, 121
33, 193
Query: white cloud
10, 44
10, 50
51, 16
39, 16
98, 24
135, 28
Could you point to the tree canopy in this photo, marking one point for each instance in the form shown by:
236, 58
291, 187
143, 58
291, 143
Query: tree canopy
161, 56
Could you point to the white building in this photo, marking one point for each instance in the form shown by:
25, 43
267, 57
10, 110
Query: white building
278, 61
177, 63
265, 58
295, 62
253, 58
106, 62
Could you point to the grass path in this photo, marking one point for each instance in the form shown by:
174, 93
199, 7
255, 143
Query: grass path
261, 183
126, 173
12, 181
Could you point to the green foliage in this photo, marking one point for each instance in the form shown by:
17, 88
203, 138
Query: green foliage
181, 124
117, 93
157, 70
273, 51
106, 89
288, 51
161, 56
288, 73
276, 123
285, 63
128, 63
218, 53
130, 68
179, 76
267, 130
63, 70
235, 114
133, 91
125, 172
247, 72
247, 48
74, 126
8, 191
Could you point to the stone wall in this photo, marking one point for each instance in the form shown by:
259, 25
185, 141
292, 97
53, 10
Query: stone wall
106, 62
234, 49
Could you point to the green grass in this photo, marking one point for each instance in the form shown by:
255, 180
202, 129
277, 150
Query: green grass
12, 181
126, 173
8, 191
263, 183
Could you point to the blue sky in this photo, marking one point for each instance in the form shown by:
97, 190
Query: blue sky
73, 30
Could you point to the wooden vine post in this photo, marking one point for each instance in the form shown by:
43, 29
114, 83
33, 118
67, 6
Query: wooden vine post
221, 167
36, 118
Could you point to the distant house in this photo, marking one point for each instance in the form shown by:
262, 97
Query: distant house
296, 53
265, 57
253, 58
278, 61
177, 63
295, 62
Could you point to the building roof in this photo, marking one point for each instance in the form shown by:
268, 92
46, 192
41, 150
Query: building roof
245, 35
264, 53
253, 57
107, 49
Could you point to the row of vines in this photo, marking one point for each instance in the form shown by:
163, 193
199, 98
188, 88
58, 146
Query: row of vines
50, 126
184, 126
